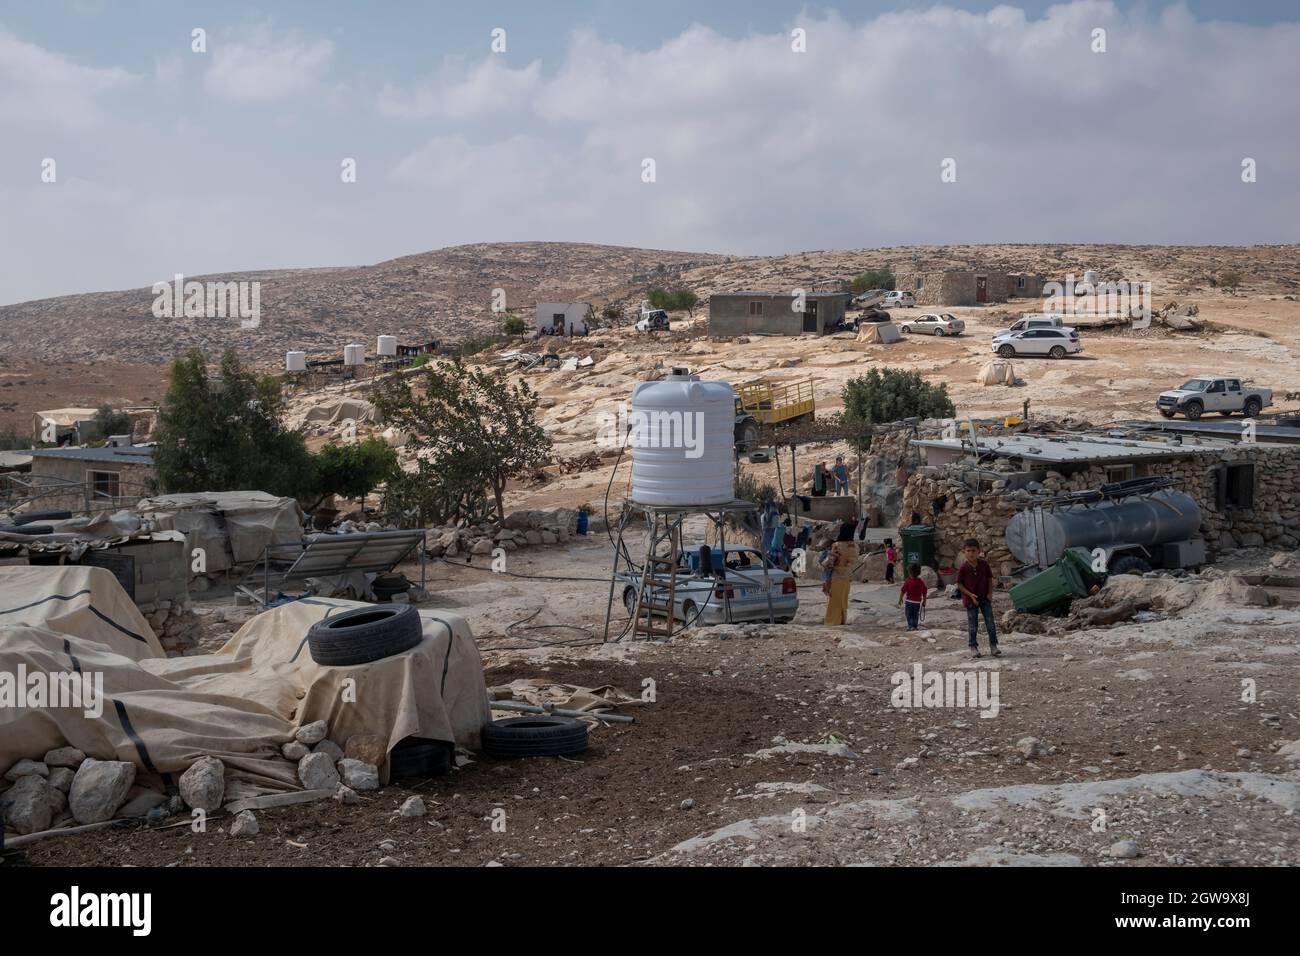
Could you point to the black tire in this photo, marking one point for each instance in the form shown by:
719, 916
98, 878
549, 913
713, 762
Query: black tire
905, 329
1252, 407
1057, 352
629, 600
748, 436
540, 736
938, 333
1228, 414
420, 757
29, 516
1167, 412
1193, 410
1006, 351
364, 635
1130, 564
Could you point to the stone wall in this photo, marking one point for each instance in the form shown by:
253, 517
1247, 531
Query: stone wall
952, 287
980, 505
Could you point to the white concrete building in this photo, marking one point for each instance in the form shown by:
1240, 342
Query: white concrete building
562, 318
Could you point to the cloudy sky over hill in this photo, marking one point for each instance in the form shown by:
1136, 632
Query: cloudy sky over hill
772, 128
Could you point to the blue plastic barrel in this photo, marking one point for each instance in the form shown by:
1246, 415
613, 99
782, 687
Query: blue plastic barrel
582, 522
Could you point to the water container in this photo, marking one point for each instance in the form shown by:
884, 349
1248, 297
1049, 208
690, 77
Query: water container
295, 361
682, 437
387, 345
583, 522
354, 355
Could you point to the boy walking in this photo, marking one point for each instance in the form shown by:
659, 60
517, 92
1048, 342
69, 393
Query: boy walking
912, 596
975, 581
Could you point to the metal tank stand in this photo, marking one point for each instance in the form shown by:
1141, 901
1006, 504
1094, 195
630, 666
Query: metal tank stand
657, 578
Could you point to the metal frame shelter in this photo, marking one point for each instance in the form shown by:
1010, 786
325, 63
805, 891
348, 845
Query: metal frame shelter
323, 555
663, 548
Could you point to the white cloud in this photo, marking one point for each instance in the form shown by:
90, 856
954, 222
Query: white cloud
41, 87
265, 66
459, 93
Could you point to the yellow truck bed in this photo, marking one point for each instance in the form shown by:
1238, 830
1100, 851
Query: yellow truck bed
775, 402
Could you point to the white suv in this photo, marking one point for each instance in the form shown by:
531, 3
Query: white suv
902, 300
1056, 343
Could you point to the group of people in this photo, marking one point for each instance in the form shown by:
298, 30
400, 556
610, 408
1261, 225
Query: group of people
974, 583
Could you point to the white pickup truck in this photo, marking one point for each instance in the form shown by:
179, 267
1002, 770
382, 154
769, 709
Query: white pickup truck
1214, 393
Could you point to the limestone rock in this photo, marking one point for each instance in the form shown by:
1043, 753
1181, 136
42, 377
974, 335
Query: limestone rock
1031, 747
244, 825
313, 733
203, 785
412, 807
27, 805
26, 768
295, 751
316, 771
358, 775
329, 747
368, 748
61, 778
99, 788
64, 757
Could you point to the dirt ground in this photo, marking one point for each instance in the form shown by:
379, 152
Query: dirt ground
1142, 728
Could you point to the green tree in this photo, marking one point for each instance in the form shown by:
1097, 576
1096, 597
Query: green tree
513, 324
673, 300
226, 434
892, 394
354, 469
1230, 280
476, 428
873, 279
111, 422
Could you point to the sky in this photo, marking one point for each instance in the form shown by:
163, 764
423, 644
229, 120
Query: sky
129, 151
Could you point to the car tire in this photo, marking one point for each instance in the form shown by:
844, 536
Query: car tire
938, 333
1167, 413
1193, 410
539, 736
27, 517
905, 329
690, 615
1057, 352
1130, 564
420, 757
1252, 407
629, 600
27, 528
1006, 351
365, 634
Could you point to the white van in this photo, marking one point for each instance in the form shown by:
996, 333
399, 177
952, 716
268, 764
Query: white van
1033, 320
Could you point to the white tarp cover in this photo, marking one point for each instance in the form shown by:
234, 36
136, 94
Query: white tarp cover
997, 372
882, 333
343, 409
252, 519
244, 702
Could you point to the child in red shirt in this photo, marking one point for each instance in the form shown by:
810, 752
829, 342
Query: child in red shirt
912, 595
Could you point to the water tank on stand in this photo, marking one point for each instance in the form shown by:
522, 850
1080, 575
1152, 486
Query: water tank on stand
681, 434
295, 361
354, 355
387, 345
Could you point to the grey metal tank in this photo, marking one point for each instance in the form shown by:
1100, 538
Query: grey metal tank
1040, 536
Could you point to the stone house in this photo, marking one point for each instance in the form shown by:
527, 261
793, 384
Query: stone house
949, 287
775, 313
90, 479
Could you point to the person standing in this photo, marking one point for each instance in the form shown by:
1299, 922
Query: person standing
912, 596
841, 473
839, 562
975, 581
890, 557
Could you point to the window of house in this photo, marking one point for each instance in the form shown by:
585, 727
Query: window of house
1236, 486
1116, 473
104, 484
920, 283
1020, 282
755, 308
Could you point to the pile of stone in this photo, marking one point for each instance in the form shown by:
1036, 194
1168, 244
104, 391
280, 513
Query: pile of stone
175, 624
66, 788
523, 529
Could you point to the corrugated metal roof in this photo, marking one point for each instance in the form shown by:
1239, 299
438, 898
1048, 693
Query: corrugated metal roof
1062, 449
782, 295
125, 456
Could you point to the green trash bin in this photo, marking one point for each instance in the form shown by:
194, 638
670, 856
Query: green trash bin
918, 546
1082, 561
1069, 578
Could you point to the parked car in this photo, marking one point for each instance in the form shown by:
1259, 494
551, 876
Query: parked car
1056, 343
902, 300
1214, 393
1033, 320
706, 598
934, 323
869, 298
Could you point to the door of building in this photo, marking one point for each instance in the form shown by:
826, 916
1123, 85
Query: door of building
981, 288
810, 317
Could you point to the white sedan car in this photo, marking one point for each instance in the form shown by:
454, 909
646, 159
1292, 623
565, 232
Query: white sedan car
1056, 343
934, 323
899, 300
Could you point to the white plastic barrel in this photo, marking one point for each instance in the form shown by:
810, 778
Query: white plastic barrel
354, 355
295, 361
682, 438
387, 345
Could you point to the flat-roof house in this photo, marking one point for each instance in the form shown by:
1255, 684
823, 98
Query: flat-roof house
775, 313
935, 287
562, 318
90, 479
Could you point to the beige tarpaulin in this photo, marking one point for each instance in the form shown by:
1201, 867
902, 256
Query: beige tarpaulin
244, 702
997, 372
85, 601
343, 409
252, 520
879, 333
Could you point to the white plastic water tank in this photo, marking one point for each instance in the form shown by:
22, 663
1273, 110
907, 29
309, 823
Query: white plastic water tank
682, 437
354, 355
295, 361
387, 345
1089, 280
